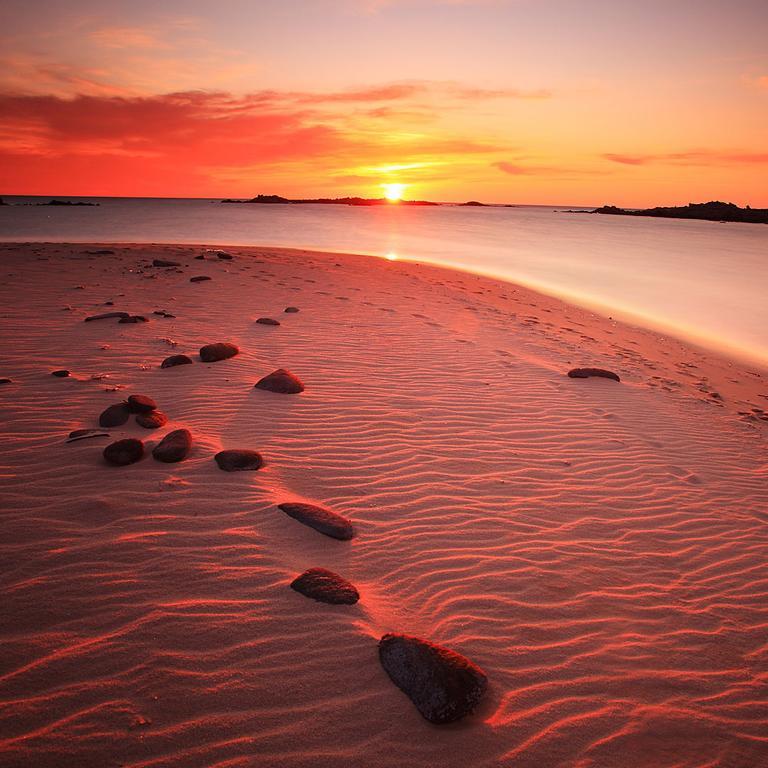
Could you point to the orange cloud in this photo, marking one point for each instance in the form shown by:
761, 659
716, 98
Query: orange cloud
193, 140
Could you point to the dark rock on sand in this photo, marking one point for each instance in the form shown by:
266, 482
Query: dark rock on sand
175, 446
107, 315
174, 360
133, 319
282, 381
267, 321
165, 263
85, 434
62, 374
201, 257
326, 586
321, 519
585, 373
199, 279
6, 381
124, 452
141, 404
221, 350
444, 685
151, 420
114, 416
239, 459
224, 255
291, 310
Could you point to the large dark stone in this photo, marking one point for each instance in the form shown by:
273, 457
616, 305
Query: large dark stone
141, 404
151, 420
239, 459
224, 255
174, 360
124, 452
175, 446
165, 263
114, 416
61, 374
291, 310
199, 279
282, 381
267, 321
321, 519
221, 350
107, 315
133, 319
585, 373
326, 586
444, 685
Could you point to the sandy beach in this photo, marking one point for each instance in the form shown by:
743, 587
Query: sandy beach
598, 548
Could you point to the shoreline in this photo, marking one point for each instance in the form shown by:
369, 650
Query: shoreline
721, 365
595, 547
726, 351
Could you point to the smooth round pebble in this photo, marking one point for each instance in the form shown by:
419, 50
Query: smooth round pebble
239, 460
174, 360
141, 404
151, 420
175, 446
124, 452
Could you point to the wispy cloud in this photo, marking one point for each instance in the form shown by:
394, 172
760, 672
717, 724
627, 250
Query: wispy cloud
522, 168
699, 157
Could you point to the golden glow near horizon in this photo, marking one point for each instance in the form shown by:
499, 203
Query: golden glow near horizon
487, 100
394, 191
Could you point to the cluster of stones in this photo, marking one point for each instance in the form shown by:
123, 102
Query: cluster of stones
175, 446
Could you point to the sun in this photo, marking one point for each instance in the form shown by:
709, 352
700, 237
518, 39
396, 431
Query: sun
393, 192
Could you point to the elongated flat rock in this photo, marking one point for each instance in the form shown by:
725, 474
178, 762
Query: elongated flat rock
321, 519
444, 685
106, 316
124, 452
326, 587
281, 381
174, 360
585, 373
267, 321
141, 404
221, 350
239, 460
174, 447
85, 434
165, 263
199, 279
291, 310
114, 416
133, 319
63, 373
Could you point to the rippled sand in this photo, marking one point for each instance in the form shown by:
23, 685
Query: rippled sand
599, 549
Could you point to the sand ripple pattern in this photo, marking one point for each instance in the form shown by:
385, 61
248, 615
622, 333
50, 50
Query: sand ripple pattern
598, 548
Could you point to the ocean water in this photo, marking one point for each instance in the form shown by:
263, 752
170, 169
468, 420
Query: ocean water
706, 282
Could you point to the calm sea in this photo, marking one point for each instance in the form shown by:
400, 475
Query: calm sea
704, 281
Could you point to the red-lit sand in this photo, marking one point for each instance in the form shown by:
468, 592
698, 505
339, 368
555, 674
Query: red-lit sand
599, 549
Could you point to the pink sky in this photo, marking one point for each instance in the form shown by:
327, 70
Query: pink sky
547, 101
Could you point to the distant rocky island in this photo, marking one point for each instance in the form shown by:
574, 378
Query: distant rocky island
712, 211
278, 200
51, 202
362, 201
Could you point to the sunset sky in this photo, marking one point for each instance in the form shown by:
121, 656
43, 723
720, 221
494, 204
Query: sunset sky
520, 101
